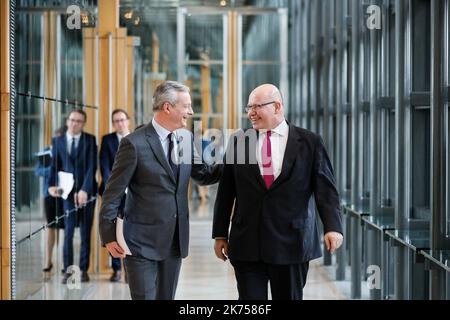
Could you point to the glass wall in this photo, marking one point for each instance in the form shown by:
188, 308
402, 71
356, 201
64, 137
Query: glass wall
49, 82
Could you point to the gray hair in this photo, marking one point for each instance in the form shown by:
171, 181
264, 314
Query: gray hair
167, 92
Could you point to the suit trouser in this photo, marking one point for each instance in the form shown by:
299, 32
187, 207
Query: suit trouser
116, 264
286, 281
151, 279
84, 217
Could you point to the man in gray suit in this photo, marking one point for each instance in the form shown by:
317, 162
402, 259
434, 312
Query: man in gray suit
155, 164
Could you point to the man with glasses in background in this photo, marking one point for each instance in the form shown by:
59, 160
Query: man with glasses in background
76, 153
110, 145
267, 200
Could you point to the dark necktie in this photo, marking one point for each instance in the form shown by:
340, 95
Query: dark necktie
73, 150
266, 158
169, 157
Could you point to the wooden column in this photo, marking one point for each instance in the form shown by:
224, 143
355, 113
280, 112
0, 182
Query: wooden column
132, 43
50, 74
5, 181
205, 89
112, 83
232, 71
91, 81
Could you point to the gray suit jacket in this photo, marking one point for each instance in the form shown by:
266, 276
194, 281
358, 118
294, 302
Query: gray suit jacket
154, 199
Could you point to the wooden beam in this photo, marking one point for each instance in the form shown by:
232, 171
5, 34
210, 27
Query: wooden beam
90, 74
205, 89
108, 16
132, 43
155, 51
50, 74
5, 178
232, 71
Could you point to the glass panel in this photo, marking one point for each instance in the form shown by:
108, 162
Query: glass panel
206, 83
204, 37
259, 45
421, 41
55, 75
420, 148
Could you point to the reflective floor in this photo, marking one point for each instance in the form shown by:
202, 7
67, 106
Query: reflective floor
203, 276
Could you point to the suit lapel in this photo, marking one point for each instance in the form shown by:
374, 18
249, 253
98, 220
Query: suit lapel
115, 143
158, 151
290, 154
254, 167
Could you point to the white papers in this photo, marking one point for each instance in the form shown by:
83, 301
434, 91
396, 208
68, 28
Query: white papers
120, 238
66, 183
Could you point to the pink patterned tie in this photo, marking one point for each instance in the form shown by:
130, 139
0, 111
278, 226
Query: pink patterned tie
266, 158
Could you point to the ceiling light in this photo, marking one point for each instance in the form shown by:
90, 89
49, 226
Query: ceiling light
223, 3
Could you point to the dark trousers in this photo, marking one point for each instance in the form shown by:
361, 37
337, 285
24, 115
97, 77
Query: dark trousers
82, 218
151, 279
116, 264
286, 281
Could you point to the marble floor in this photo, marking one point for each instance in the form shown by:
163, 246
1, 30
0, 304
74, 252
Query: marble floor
203, 277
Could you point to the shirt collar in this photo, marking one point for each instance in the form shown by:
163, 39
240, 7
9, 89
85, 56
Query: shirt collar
121, 136
70, 137
282, 129
161, 131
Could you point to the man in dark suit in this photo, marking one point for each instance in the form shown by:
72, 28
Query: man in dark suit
76, 153
271, 174
110, 144
155, 164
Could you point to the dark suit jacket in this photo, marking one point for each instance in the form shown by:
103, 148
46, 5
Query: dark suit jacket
155, 200
108, 150
83, 169
278, 225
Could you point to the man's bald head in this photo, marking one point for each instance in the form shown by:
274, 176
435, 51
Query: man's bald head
267, 110
268, 91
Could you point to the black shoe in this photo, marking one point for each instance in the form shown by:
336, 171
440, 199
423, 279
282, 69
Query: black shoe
49, 268
84, 276
65, 278
116, 276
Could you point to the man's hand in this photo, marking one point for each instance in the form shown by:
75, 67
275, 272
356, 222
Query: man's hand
81, 198
115, 249
221, 249
54, 192
333, 240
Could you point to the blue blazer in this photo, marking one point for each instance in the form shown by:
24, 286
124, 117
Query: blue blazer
108, 150
83, 168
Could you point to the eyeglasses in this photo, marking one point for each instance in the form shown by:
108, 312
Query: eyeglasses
119, 120
257, 106
76, 120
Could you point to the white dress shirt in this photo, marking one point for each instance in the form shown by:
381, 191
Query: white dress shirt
119, 136
163, 134
69, 138
278, 140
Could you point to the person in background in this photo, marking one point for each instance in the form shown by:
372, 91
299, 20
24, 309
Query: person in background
53, 207
76, 153
110, 145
